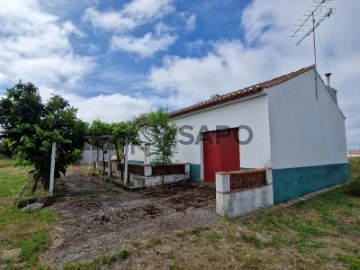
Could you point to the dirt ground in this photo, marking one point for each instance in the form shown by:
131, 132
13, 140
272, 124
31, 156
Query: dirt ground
104, 217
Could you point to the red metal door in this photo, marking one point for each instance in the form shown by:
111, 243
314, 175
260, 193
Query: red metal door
212, 156
221, 152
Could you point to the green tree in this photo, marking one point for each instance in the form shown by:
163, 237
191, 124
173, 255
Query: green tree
30, 127
99, 133
161, 136
139, 120
5, 149
122, 132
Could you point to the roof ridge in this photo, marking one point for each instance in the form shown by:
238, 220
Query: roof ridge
247, 91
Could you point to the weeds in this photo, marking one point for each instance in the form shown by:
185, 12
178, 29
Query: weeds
213, 238
353, 187
99, 262
352, 262
252, 239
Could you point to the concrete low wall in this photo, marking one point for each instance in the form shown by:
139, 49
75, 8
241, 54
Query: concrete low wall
151, 180
236, 203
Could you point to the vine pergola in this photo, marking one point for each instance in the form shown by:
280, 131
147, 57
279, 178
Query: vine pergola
122, 140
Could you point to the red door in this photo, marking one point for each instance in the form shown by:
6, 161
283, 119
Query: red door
221, 152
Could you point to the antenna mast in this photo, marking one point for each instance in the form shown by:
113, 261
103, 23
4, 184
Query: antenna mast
317, 10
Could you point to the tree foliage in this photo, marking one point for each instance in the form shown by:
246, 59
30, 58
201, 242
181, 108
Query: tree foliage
30, 127
5, 149
101, 133
161, 136
122, 132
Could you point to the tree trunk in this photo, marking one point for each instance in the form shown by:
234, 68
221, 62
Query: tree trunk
117, 151
34, 188
163, 174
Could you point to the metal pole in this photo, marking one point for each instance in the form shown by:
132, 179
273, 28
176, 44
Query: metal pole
52, 169
97, 161
109, 159
316, 85
126, 162
91, 155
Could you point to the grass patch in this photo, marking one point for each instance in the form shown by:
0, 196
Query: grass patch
354, 163
27, 231
254, 261
100, 262
32, 248
213, 238
170, 255
252, 239
154, 242
352, 262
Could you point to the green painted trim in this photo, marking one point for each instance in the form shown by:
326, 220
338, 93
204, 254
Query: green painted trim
135, 161
195, 172
295, 182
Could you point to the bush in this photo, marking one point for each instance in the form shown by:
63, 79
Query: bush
353, 187
354, 166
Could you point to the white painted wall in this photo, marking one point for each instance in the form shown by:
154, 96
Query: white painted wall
252, 112
305, 131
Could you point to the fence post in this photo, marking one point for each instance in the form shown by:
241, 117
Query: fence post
52, 169
91, 153
126, 162
109, 160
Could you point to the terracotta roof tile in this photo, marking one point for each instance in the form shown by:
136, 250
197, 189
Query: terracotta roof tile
248, 91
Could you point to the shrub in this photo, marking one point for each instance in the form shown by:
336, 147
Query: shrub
353, 187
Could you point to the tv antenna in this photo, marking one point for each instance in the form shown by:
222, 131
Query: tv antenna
313, 17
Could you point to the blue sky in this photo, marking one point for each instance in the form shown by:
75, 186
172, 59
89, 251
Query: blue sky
115, 59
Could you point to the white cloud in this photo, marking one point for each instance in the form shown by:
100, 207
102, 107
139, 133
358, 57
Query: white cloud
132, 15
144, 10
191, 23
35, 46
265, 53
109, 21
220, 71
21, 16
195, 46
146, 46
110, 108
92, 48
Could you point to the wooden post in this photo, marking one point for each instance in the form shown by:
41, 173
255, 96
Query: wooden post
52, 169
126, 162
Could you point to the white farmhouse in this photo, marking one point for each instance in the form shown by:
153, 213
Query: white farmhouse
286, 124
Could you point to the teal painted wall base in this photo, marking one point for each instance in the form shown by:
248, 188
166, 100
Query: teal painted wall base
294, 182
195, 172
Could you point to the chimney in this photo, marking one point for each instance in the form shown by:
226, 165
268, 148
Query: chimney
331, 90
328, 75
214, 96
